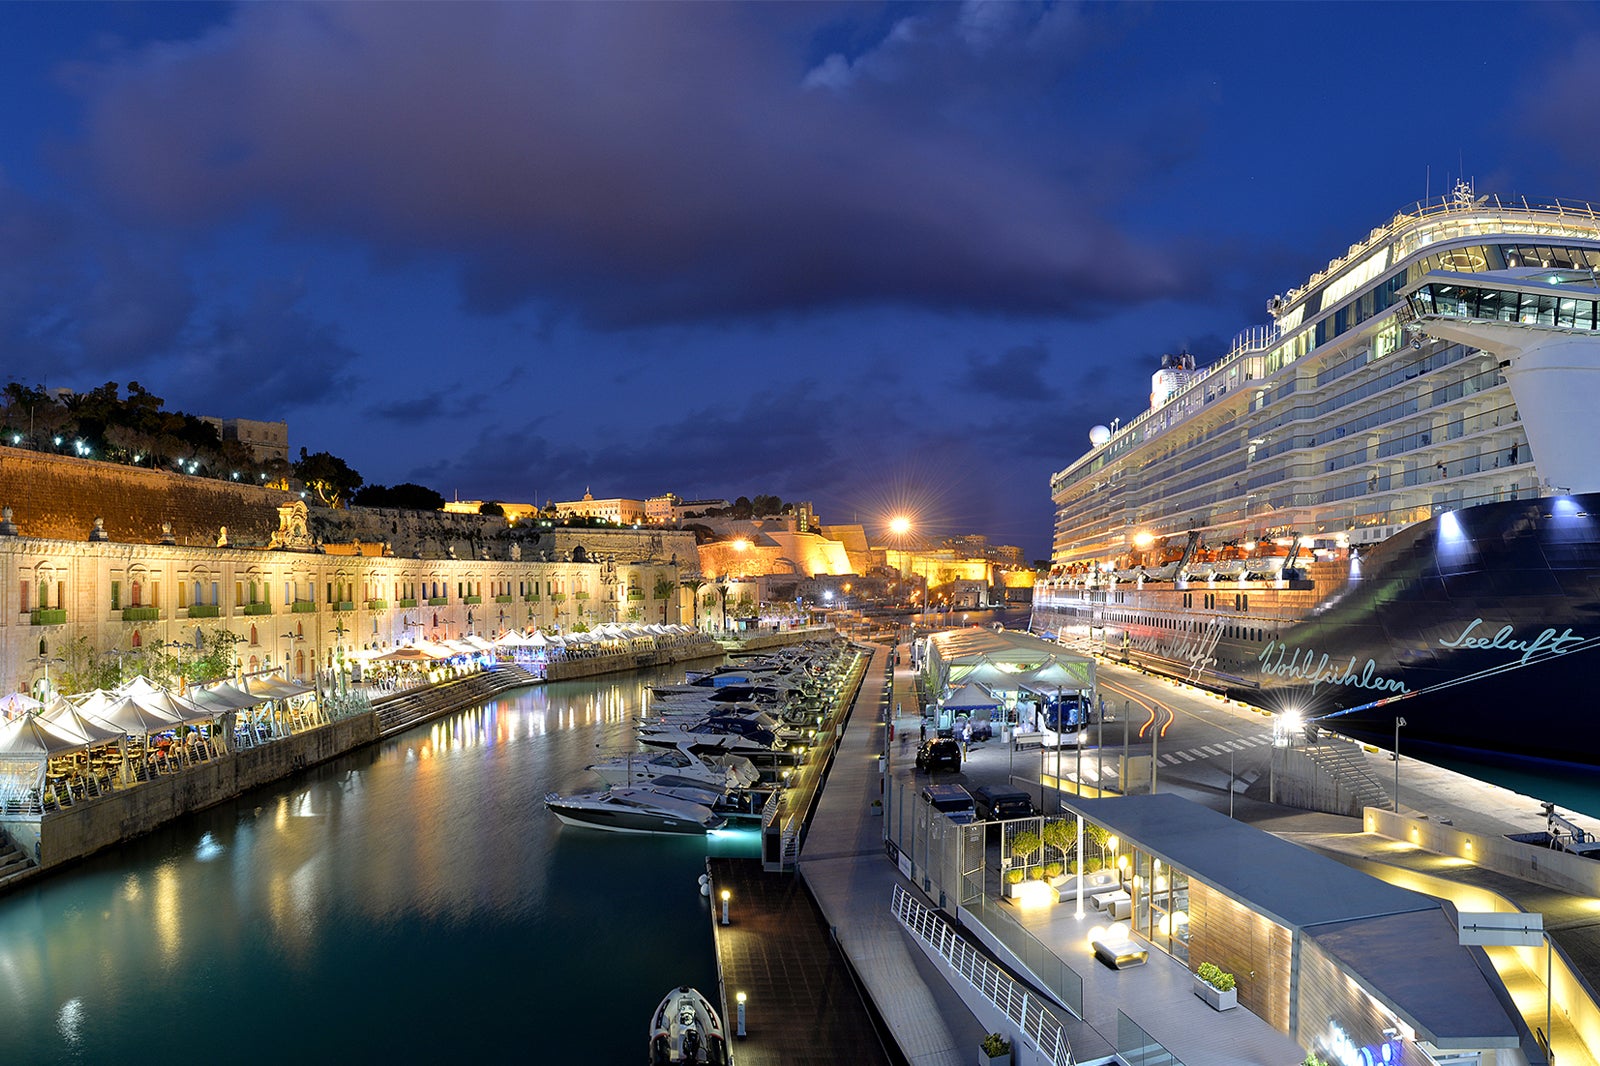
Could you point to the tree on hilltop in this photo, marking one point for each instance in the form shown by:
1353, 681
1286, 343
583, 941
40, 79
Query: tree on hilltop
328, 476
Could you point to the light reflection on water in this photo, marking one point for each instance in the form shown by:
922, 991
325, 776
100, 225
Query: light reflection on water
413, 899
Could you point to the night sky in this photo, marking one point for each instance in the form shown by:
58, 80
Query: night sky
877, 257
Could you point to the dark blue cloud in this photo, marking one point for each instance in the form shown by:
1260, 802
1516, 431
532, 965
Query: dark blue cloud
636, 163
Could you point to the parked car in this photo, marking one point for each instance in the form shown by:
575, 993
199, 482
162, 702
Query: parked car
953, 801
939, 752
999, 802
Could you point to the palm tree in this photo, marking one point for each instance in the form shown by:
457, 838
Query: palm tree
664, 588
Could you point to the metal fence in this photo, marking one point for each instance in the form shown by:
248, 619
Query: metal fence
1033, 1020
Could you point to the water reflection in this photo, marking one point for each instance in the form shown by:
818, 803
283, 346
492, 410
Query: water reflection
326, 915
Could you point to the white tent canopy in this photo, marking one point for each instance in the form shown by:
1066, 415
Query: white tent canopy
1003, 659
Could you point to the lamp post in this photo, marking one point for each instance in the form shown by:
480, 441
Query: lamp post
44, 659
1398, 722
338, 633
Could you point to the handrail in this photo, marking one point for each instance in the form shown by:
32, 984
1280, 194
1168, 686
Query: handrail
1037, 1025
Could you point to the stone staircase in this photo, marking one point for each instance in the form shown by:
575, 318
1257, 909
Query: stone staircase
13, 863
1346, 764
403, 710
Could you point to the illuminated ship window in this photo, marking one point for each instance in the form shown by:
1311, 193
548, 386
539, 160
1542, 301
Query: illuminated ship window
1464, 260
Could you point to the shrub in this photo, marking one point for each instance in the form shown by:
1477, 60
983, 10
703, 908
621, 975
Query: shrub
1014, 876
1093, 864
1054, 869
1024, 843
1036, 873
994, 1045
1215, 976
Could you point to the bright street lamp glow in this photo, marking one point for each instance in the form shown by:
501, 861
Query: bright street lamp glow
899, 525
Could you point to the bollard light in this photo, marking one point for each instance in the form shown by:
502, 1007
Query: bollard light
740, 999
726, 895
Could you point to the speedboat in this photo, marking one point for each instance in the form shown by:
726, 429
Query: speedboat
634, 810
685, 1030
641, 767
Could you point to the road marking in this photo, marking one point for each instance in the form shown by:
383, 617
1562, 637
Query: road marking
1186, 756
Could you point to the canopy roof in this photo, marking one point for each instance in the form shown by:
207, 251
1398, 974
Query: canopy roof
971, 696
31, 737
1004, 659
65, 716
135, 717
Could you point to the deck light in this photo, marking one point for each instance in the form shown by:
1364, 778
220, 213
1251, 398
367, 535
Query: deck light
739, 998
726, 896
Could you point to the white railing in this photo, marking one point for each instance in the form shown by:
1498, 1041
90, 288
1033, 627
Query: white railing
1037, 1025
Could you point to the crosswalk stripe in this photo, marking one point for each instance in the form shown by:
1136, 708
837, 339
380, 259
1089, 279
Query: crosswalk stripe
1209, 750
1186, 756
1170, 760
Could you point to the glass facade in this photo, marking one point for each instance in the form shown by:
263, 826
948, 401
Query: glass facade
1498, 304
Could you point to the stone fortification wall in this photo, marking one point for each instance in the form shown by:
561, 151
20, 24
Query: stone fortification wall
434, 534
58, 498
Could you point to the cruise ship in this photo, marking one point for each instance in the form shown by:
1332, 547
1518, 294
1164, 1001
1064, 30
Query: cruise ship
1382, 509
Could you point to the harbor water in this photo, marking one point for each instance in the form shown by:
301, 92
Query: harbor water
412, 901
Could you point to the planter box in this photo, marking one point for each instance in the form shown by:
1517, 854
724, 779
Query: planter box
48, 616
260, 607
303, 607
1215, 998
141, 614
998, 1060
472, 600
204, 610
438, 601
406, 602
377, 605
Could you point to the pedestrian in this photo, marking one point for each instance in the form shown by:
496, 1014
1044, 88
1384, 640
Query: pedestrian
924, 734
966, 738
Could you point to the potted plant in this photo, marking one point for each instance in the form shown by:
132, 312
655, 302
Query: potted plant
994, 1051
1216, 986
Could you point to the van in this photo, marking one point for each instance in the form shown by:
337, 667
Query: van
952, 801
999, 802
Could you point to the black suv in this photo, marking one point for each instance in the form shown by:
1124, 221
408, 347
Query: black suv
999, 802
940, 751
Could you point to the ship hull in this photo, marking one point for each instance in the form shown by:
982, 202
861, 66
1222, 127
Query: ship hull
1476, 627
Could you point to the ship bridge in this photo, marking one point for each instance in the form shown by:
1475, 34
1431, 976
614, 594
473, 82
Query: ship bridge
1544, 328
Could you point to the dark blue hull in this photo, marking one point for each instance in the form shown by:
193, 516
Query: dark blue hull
1477, 627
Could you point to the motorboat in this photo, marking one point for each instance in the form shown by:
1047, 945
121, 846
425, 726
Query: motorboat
641, 767
634, 810
670, 735
686, 1030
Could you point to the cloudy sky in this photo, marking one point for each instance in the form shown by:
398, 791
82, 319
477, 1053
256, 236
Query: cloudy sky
875, 256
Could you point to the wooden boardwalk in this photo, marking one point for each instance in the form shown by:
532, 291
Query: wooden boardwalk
802, 1005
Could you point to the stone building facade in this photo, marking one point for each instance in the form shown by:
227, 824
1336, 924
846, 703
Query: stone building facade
119, 558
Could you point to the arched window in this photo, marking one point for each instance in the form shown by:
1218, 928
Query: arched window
300, 663
136, 591
255, 641
137, 640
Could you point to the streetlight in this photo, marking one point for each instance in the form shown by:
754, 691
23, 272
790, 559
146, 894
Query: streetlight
44, 659
1398, 722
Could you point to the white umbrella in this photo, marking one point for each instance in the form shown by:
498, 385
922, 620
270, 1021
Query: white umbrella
15, 703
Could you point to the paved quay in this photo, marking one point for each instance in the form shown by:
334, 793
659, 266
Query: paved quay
843, 863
